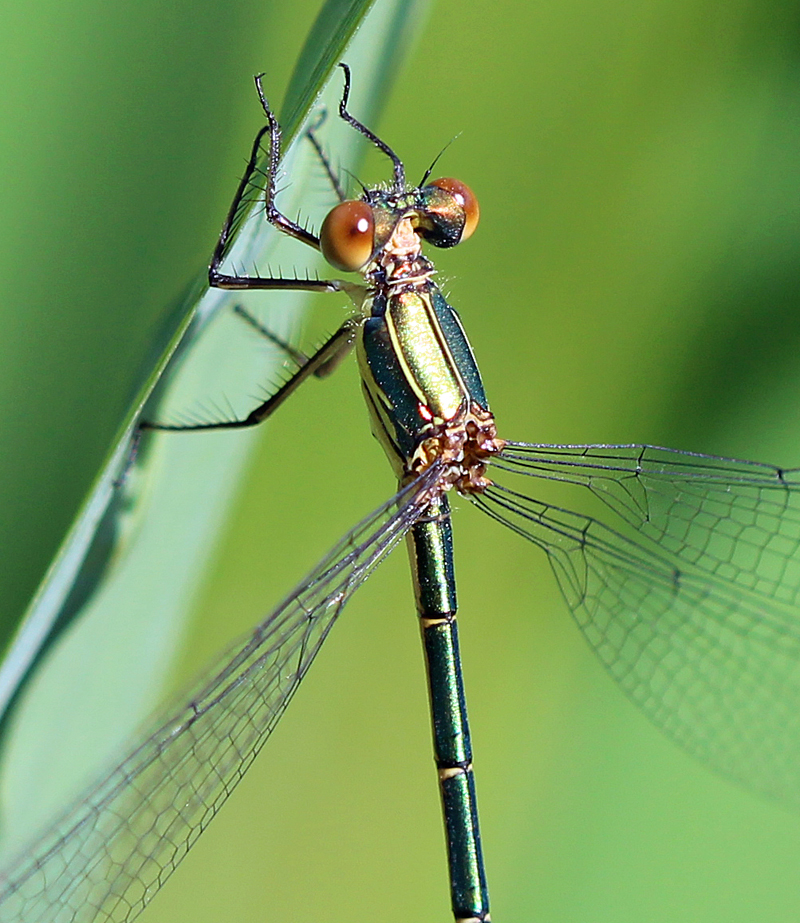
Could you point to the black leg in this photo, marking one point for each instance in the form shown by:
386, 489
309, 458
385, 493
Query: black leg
301, 359
295, 355
399, 170
332, 175
321, 363
274, 216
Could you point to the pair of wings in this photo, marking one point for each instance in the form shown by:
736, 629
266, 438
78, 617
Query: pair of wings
689, 599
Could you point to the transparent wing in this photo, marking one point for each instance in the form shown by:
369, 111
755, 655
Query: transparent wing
689, 599
113, 849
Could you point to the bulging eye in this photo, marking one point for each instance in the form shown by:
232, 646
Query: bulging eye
347, 237
466, 199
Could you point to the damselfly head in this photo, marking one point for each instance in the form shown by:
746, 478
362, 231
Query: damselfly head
444, 213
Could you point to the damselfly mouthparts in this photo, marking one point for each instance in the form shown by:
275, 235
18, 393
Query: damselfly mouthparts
689, 597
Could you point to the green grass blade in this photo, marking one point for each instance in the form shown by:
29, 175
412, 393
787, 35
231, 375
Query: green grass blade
152, 541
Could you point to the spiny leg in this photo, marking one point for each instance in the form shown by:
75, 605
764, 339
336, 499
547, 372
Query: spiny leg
298, 357
331, 353
333, 178
274, 216
361, 128
324, 360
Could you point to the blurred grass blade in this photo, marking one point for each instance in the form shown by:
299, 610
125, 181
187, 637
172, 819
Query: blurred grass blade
103, 503
135, 556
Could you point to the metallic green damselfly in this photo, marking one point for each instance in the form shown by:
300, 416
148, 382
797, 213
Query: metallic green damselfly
690, 599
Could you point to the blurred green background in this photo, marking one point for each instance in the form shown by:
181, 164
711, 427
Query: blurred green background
634, 278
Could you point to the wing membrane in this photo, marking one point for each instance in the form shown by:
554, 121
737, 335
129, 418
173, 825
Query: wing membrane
109, 854
689, 599
738, 520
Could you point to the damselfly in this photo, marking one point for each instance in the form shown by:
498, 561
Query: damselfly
689, 598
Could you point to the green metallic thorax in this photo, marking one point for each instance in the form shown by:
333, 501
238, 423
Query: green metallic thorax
417, 368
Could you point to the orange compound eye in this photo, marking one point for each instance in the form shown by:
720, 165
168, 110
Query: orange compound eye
347, 237
465, 197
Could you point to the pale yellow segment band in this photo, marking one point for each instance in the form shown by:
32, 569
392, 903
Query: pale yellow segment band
454, 771
430, 623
